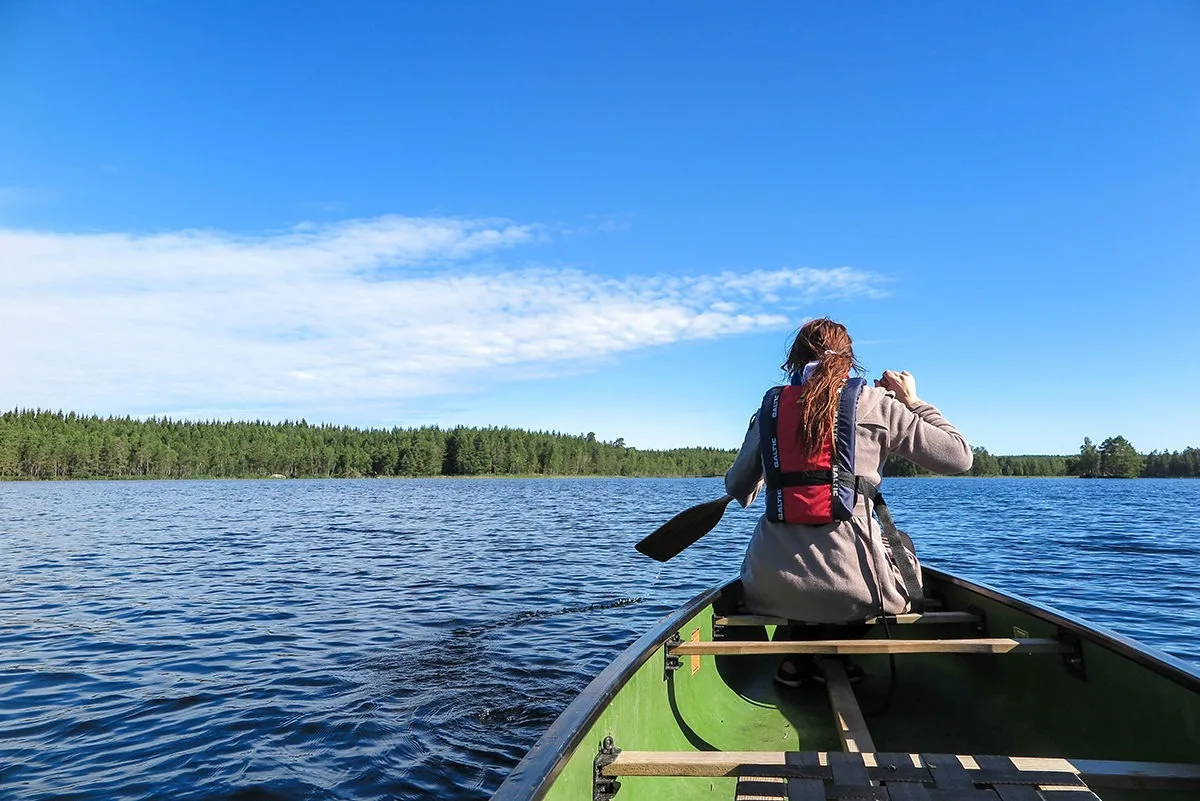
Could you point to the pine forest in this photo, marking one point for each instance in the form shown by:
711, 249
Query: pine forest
36, 444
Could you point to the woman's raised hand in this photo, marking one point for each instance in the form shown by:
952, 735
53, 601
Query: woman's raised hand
902, 383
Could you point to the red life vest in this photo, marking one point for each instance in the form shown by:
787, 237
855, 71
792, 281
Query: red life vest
810, 488
821, 488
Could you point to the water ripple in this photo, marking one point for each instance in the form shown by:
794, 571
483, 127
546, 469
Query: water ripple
405, 639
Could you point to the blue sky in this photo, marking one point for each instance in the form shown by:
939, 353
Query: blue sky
602, 218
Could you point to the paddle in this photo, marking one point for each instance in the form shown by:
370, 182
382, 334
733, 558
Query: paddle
672, 537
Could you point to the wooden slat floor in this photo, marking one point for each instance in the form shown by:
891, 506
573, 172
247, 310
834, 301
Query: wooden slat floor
896, 777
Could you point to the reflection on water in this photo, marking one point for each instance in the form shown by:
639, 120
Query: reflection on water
393, 638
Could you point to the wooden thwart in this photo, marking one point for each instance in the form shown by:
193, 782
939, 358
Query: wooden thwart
1096, 773
991, 645
905, 619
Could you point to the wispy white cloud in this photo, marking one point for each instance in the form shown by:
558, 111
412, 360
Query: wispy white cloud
352, 313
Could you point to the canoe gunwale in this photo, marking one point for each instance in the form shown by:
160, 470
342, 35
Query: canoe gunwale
1160, 662
536, 772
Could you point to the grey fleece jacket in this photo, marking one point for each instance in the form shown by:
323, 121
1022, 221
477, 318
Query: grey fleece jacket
844, 571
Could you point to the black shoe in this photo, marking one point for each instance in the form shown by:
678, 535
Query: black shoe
853, 672
787, 675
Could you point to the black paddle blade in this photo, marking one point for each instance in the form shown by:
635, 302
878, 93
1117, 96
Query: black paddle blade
671, 538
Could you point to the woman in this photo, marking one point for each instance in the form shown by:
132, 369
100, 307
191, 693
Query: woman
817, 555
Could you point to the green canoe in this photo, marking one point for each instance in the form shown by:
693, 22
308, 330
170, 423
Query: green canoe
993, 697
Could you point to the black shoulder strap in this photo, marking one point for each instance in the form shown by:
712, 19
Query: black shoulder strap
904, 560
768, 437
845, 435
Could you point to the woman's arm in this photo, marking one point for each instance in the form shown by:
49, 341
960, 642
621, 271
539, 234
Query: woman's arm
918, 432
744, 478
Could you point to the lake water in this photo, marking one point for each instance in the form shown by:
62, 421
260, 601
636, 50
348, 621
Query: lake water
405, 638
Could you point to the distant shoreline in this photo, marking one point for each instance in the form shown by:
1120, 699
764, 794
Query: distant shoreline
487, 476
533, 476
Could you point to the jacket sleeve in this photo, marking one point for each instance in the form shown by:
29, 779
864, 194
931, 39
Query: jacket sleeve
744, 479
924, 437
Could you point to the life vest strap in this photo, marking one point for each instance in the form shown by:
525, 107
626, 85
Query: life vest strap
803, 478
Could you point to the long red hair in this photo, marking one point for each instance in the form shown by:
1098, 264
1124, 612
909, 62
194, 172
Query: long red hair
828, 343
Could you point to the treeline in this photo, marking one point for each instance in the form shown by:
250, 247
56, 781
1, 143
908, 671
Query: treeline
1175, 464
985, 464
1113, 458
36, 444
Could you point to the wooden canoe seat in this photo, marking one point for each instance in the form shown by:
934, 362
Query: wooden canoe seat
918, 771
905, 619
986, 645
